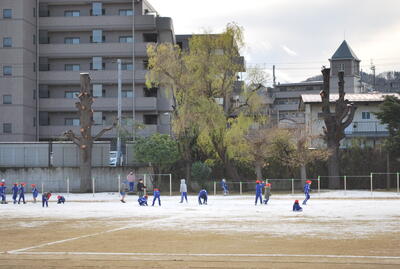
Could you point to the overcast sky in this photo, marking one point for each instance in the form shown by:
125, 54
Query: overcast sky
298, 36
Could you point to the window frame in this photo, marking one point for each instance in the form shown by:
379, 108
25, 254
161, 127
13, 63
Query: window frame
73, 39
72, 12
7, 67
5, 101
6, 44
73, 121
7, 128
5, 12
126, 38
124, 12
70, 94
73, 67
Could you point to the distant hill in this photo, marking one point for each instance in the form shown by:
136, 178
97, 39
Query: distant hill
388, 81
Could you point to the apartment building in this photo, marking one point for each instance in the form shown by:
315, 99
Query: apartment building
46, 44
285, 98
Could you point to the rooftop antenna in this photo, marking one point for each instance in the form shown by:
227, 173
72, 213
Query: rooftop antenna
373, 69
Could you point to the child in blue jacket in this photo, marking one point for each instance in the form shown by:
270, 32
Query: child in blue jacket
259, 188
3, 192
307, 189
224, 186
142, 200
297, 207
156, 193
15, 190
45, 199
35, 192
203, 196
22, 193
60, 199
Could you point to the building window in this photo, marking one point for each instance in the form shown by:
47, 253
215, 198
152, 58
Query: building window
97, 36
127, 66
7, 70
366, 115
97, 9
97, 63
72, 122
7, 42
71, 94
150, 119
72, 67
125, 12
72, 13
145, 64
7, 128
98, 90
125, 39
7, 99
98, 118
152, 92
72, 40
127, 94
341, 67
7, 13
150, 37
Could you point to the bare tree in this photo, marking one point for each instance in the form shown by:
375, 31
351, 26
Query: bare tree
335, 123
85, 141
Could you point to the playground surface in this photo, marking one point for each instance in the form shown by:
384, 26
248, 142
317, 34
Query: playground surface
355, 229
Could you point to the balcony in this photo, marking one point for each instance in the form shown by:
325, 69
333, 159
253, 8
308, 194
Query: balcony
100, 104
366, 129
88, 23
103, 76
77, 50
56, 131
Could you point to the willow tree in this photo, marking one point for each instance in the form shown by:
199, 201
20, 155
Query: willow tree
202, 80
85, 140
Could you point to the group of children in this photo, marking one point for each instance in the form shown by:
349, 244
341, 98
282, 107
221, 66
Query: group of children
18, 194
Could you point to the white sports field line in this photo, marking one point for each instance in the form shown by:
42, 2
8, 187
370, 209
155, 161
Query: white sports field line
206, 255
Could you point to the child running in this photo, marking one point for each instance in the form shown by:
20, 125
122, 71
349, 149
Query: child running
259, 187
35, 192
307, 189
3, 188
267, 192
183, 190
15, 190
297, 207
203, 196
224, 186
22, 193
156, 194
124, 189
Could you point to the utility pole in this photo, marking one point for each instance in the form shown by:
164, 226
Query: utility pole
119, 113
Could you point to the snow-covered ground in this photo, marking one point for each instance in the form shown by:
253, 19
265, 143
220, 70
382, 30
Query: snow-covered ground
329, 214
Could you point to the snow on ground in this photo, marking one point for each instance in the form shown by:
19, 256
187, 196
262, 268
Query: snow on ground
329, 214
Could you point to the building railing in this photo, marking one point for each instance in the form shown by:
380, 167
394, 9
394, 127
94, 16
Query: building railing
366, 128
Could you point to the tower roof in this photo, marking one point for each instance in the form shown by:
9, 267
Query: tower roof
344, 52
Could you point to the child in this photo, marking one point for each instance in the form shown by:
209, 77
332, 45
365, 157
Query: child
156, 193
259, 187
140, 188
45, 198
267, 192
22, 193
297, 207
203, 196
224, 186
131, 179
124, 189
15, 190
60, 199
35, 192
183, 190
142, 200
307, 189
3, 192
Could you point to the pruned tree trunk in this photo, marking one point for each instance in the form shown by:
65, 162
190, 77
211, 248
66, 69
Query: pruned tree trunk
85, 141
258, 169
303, 174
388, 170
335, 124
231, 170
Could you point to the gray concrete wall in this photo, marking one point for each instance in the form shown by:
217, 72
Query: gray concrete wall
55, 179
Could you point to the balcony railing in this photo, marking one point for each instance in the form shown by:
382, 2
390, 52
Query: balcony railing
366, 128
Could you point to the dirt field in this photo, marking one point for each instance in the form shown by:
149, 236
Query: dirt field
117, 243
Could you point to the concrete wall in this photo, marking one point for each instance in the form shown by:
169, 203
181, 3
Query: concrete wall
55, 179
